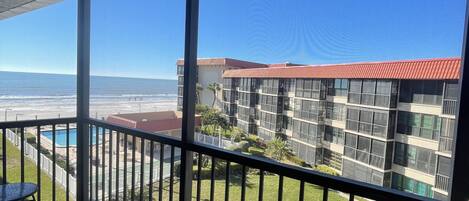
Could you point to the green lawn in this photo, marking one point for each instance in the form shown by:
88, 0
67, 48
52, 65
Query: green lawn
14, 173
290, 189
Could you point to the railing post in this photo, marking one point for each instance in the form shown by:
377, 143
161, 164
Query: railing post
190, 70
459, 180
83, 88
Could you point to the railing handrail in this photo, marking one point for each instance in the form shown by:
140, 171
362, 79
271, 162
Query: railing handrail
38, 122
332, 182
342, 184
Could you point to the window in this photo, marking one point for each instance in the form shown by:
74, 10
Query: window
368, 92
310, 88
271, 121
337, 87
270, 86
305, 132
355, 91
246, 99
335, 111
363, 149
245, 114
308, 110
420, 125
271, 103
372, 122
334, 135
446, 135
356, 171
305, 152
414, 157
383, 89
444, 166
421, 91
380, 93
403, 183
366, 150
451, 90
377, 153
247, 84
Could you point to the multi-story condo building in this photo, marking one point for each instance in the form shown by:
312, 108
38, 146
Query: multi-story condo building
210, 71
385, 123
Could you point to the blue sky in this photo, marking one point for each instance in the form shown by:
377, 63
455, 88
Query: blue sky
144, 39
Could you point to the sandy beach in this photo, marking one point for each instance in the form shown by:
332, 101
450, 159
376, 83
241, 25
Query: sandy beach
100, 107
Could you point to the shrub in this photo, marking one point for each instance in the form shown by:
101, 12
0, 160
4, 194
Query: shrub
244, 146
200, 108
252, 139
256, 151
325, 169
278, 149
298, 161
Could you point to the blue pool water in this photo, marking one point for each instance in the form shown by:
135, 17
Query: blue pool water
61, 137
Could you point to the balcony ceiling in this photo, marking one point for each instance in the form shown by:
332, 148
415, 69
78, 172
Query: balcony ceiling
10, 8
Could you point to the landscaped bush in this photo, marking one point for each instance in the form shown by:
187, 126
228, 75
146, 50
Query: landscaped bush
244, 146
297, 160
326, 169
256, 151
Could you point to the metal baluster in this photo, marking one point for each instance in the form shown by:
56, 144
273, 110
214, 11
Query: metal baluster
67, 164
4, 155
22, 154
325, 193
199, 168
150, 187
302, 191
132, 188
261, 185
171, 175
97, 161
38, 167
280, 188
103, 169
118, 136
53, 162
212, 179
227, 181
142, 167
110, 166
243, 183
124, 193
91, 159
160, 193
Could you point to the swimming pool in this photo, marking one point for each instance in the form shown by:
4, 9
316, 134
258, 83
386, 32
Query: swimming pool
61, 137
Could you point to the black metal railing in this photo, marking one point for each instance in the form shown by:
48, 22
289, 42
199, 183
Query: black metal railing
29, 149
131, 164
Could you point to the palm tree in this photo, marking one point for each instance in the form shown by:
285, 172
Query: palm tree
198, 90
214, 88
278, 148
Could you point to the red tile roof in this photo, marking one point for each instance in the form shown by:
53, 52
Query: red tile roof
426, 69
225, 62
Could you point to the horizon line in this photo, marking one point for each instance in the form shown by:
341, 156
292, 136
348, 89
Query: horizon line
94, 75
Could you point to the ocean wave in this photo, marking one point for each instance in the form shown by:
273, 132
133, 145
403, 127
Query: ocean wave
29, 97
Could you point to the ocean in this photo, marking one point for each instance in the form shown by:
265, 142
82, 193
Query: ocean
37, 95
